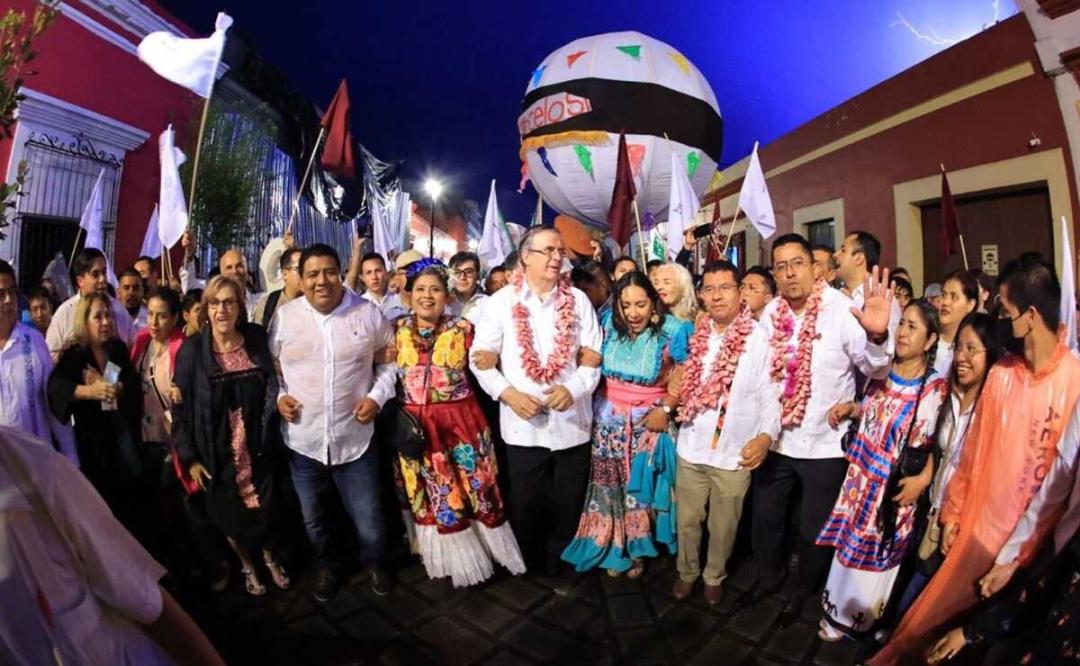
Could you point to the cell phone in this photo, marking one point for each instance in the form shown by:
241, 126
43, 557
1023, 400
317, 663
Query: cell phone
702, 231
112, 376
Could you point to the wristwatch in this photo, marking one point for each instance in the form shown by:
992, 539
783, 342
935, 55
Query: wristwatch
667, 409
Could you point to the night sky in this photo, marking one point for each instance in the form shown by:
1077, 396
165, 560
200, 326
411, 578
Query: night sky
438, 85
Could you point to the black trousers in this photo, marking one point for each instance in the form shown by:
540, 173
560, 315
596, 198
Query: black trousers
547, 492
818, 482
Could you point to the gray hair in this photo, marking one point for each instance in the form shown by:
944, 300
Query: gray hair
531, 233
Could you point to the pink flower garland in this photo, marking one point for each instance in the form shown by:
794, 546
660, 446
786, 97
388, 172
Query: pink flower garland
791, 362
565, 332
700, 394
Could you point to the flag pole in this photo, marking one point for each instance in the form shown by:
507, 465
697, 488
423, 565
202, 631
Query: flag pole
75, 245
303, 181
641, 236
731, 231
198, 152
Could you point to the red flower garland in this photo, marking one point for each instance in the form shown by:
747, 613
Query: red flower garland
791, 362
565, 332
700, 394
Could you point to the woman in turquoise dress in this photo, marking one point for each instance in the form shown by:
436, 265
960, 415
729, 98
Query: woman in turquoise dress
629, 505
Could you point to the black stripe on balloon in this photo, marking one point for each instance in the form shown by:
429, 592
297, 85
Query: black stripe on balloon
636, 108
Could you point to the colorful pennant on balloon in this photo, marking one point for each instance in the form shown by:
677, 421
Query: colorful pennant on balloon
634, 51
542, 152
573, 57
584, 156
636, 153
693, 159
536, 75
680, 60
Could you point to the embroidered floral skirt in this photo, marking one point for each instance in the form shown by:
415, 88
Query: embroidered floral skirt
629, 503
453, 497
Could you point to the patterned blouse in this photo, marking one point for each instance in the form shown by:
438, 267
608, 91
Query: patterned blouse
432, 362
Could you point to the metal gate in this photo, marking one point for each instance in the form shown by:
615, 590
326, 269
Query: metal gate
60, 178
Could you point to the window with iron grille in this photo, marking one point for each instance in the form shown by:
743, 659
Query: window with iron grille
821, 232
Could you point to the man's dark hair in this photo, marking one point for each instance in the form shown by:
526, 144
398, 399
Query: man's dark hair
129, 272
793, 239
1033, 282
869, 246
652, 263
598, 271
368, 256
622, 259
167, 296
149, 260
761, 271
36, 293
901, 269
511, 261
900, 284
722, 266
287, 257
462, 257
582, 278
496, 269
319, 250
9, 270
84, 260
192, 298
822, 247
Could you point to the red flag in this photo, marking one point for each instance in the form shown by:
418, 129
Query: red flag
716, 235
949, 232
622, 197
338, 157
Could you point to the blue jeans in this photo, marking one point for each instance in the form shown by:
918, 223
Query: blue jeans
357, 484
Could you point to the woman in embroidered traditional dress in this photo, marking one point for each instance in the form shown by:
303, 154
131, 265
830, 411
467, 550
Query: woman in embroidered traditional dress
452, 490
675, 286
629, 505
228, 390
871, 525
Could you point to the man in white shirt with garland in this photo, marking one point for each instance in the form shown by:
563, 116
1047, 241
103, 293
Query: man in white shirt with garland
25, 366
818, 342
334, 351
91, 273
538, 325
728, 417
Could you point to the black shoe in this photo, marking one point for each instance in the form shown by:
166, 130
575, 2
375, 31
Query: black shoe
381, 582
755, 594
326, 585
793, 608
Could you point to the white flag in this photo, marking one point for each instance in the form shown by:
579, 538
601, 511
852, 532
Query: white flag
93, 222
390, 225
1068, 287
682, 206
172, 210
495, 242
191, 63
151, 242
754, 198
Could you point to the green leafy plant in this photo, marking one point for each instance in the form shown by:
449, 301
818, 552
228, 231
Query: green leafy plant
17, 36
231, 166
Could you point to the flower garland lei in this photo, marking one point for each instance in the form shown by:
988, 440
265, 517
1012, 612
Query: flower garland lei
565, 332
700, 395
791, 359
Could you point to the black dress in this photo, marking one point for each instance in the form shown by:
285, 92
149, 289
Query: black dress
222, 423
107, 441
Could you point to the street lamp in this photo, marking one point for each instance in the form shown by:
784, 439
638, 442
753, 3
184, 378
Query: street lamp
434, 188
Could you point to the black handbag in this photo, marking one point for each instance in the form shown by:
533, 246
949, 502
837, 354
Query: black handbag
404, 430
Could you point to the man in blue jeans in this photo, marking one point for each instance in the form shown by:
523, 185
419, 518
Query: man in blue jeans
334, 352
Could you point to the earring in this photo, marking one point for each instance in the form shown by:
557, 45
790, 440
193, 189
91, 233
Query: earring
655, 318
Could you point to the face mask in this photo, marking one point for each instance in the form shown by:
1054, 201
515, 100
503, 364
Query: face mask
1004, 331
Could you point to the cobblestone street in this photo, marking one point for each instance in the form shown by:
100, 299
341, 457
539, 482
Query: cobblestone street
588, 618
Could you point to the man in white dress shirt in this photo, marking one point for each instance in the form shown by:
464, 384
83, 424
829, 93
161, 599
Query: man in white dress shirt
807, 458
25, 366
90, 276
467, 294
715, 461
858, 255
546, 424
334, 354
130, 292
375, 278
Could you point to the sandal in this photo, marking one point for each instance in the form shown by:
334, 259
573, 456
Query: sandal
277, 573
636, 570
252, 583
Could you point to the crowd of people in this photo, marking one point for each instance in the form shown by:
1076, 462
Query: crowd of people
917, 455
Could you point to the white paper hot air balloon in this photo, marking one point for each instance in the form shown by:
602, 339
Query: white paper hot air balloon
584, 93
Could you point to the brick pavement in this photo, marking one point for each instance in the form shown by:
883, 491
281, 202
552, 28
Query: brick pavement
588, 618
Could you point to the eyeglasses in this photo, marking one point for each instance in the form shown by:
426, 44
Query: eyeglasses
970, 351
723, 289
797, 264
223, 304
551, 252
465, 272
